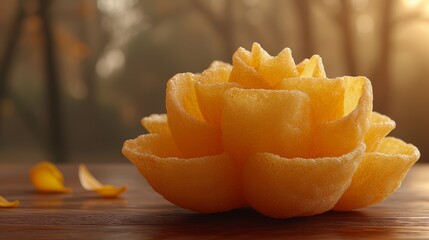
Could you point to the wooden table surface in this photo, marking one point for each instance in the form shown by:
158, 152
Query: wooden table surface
142, 214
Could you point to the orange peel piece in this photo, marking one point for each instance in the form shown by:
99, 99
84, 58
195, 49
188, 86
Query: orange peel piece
258, 69
312, 68
259, 120
156, 123
379, 174
244, 72
6, 204
90, 183
277, 68
339, 136
300, 66
192, 134
326, 95
288, 187
210, 90
46, 178
204, 184
380, 126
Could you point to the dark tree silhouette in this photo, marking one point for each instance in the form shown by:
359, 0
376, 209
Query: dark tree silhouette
223, 25
304, 16
8, 55
346, 25
57, 140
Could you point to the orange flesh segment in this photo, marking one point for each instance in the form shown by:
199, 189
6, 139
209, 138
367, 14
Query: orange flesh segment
206, 184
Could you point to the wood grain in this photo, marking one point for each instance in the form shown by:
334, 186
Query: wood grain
142, 214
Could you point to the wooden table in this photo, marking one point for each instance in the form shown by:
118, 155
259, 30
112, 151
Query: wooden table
142, 214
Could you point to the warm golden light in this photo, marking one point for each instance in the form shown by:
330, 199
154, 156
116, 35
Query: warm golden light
364, 23
412, 3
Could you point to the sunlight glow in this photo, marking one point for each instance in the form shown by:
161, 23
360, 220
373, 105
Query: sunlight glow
111, 62
122, 19
412, 3
360, 5
364, 23
114, 7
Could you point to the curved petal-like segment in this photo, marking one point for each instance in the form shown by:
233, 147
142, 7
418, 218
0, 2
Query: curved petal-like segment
210, 89
312, 68
46, 178
258, 69
6, 204
278, 68
194, 136
90, 183
379, 174
243, 70
288, 187
326, 95
275, 121
337, 137
156, 123
301, 66
207, 184
380, 126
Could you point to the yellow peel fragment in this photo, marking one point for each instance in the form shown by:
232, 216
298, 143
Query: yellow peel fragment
312, 68
89, 183
46, 178
6, 204
156, 123
379, 174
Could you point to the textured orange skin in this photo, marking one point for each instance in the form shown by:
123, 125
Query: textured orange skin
266, 133
379, 175
206, 184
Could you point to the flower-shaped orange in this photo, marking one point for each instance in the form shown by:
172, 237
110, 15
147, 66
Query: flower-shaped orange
269, 134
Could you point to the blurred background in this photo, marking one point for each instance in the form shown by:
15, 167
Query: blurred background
76, 76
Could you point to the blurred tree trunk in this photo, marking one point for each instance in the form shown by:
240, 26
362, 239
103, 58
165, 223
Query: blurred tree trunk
6, 64
381, 75
304, 16
57, 146
277, 25
9, 52
346, 24
96, 39
224, 25
89, 33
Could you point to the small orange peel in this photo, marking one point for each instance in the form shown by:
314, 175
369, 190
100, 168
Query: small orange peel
156, 123
6, 204
46, 178
90, 183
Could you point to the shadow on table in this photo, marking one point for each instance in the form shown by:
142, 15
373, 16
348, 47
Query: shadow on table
249, 223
